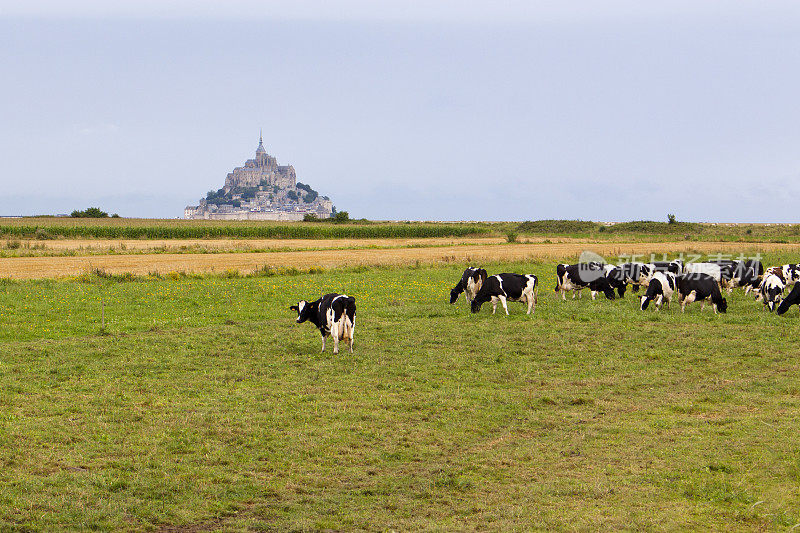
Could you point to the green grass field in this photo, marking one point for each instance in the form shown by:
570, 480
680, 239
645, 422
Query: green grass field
202, 406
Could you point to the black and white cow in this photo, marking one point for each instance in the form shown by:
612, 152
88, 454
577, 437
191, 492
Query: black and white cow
747, 274
333, 314
577, 277
777, 271
470, 283
660, 288
709, 269
507, 287
699, 286
771, 291
675, 266
789, 273
727, 272
616, 279
636, 274
792, 299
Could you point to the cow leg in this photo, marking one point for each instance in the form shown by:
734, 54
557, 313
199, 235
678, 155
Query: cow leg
563, 295
352, 334
702, 305
335, 335
689, 299
530, 302
594, 294
503, 301
494, 304
658, 302
323, 344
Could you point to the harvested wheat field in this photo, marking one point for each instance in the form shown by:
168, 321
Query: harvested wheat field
161, 263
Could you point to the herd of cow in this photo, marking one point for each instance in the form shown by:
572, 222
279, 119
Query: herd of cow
335, 314
661, 279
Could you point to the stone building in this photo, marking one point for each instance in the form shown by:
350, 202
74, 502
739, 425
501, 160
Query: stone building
261, 190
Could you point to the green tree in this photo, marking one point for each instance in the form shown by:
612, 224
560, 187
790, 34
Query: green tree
91, 212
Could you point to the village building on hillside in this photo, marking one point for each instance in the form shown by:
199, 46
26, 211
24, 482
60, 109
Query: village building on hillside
261, 190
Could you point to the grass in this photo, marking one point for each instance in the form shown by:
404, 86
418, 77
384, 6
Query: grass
203, 405
44, 228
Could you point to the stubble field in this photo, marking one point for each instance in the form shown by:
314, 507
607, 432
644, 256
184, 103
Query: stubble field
195, 403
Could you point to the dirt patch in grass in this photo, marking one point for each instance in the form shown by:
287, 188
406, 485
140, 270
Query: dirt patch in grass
243, 262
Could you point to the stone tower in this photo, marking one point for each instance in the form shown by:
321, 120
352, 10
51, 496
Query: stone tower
261, 153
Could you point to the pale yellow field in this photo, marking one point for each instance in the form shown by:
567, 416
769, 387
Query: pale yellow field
457, 252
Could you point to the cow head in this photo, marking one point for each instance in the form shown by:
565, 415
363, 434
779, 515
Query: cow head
644, 301
303, 311
722, 305
454, 295
476, 304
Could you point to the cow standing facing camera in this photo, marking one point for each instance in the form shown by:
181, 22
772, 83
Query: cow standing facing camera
333, 314
771, 291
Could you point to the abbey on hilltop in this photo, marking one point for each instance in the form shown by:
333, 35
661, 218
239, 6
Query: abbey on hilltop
261, 190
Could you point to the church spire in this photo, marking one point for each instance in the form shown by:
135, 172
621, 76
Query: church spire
260, 149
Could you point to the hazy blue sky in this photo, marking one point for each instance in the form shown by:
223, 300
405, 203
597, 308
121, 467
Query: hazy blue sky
450, 110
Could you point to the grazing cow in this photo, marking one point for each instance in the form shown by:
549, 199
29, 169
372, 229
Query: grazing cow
792, 299
470, 283
616, 278
333, 314
771, 290
675, 266
779, 272
709, 269
577, 277
512, 287
790, 273
699, 286
727, 272
636, 274
661, 287
747, 274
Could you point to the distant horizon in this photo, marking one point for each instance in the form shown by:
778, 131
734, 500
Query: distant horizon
403, 221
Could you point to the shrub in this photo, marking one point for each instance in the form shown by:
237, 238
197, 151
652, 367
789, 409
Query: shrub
671, 219
511, 237
91, 212
13, 245
43, 235
556, 226
342, 216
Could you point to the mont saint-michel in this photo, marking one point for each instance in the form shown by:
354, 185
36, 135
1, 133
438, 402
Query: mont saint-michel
261, 190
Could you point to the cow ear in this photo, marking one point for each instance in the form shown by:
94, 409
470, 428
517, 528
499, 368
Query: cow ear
294, 308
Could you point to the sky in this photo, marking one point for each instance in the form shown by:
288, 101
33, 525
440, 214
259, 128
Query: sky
439, 110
